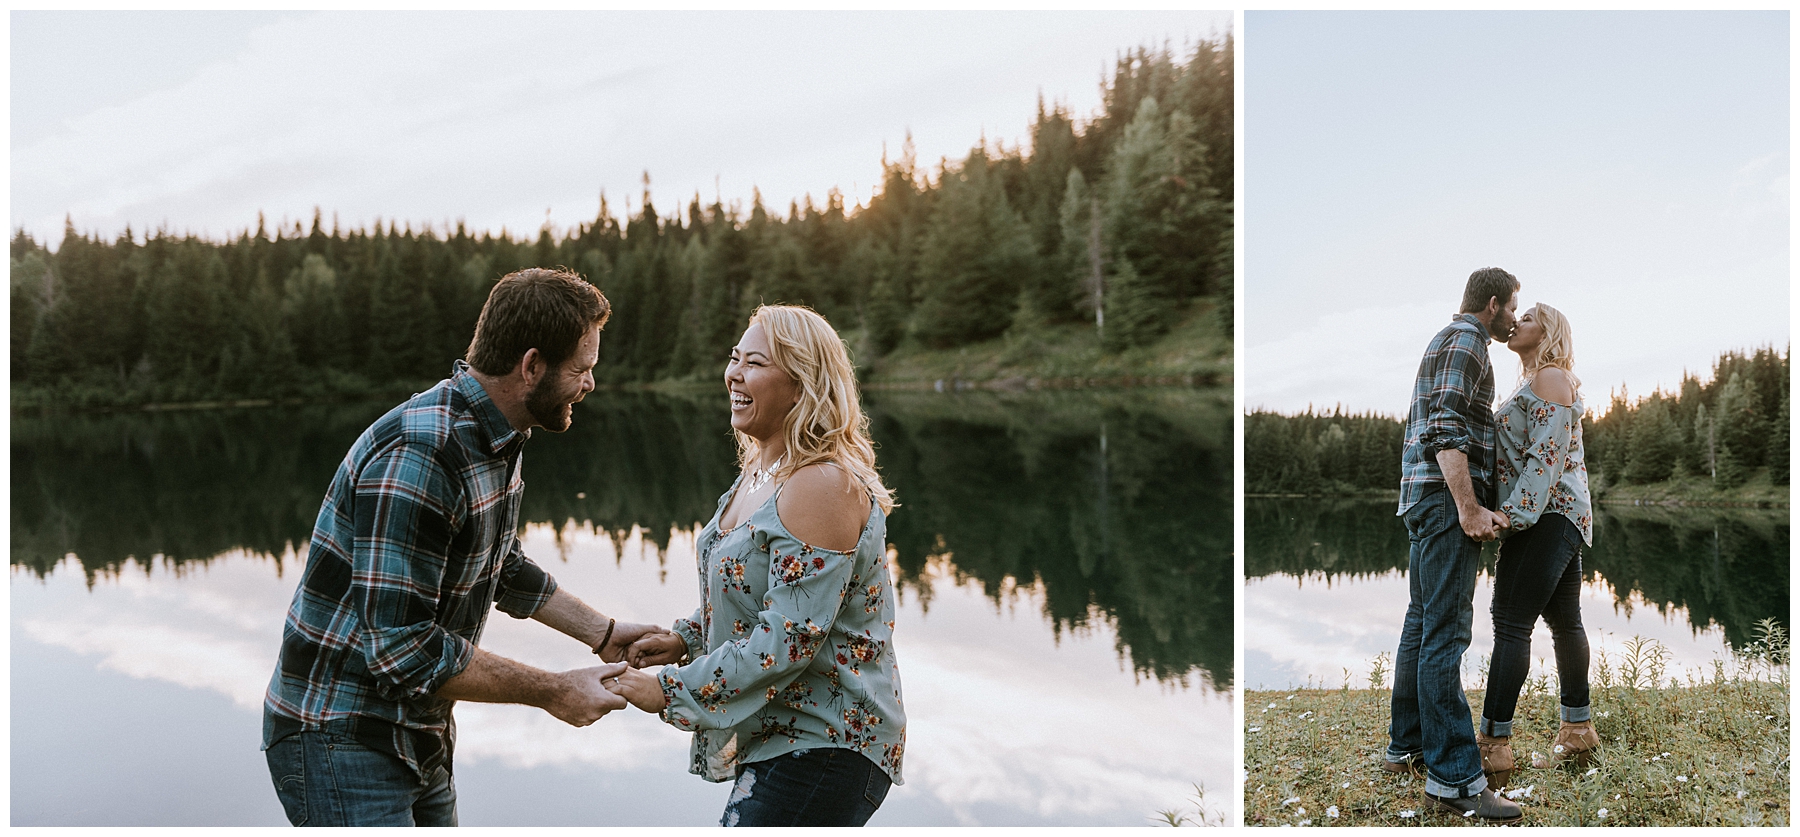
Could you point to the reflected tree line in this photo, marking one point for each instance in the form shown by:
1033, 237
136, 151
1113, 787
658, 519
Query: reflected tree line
1126, 213
1119, 504
1727, 567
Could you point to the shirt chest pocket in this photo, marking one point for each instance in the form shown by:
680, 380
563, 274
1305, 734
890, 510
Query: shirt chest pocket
489, 533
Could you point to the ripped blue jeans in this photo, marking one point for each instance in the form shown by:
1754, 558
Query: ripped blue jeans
826, 786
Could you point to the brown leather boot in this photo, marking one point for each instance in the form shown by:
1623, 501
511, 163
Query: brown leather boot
1575, 742
1496, 757
1489, 806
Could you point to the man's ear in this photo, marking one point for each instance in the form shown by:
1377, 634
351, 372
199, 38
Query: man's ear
1493, 307
531, 367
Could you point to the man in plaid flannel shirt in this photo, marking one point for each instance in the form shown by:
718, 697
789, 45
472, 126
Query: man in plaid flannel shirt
416, 540
1446, 484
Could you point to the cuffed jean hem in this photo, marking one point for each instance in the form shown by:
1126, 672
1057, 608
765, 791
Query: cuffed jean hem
1394, 756
1497, 729
1577, 714
1473, 787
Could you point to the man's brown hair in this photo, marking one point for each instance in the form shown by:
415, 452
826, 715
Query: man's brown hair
1485, 284
548, 309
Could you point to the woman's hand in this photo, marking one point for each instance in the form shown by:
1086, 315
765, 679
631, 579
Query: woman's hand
640, 688
656, 649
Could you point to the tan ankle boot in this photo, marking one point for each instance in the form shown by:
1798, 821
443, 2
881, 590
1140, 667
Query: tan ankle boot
1575, 742
1496, 757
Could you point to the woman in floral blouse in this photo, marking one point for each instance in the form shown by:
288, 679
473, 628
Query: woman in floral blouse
1541, 475
792, 691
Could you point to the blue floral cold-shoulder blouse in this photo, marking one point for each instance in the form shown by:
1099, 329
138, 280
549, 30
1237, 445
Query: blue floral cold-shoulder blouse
792, 648
1542, 466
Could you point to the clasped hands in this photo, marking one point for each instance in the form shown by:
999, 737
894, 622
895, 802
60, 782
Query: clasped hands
637, 686
1482, 524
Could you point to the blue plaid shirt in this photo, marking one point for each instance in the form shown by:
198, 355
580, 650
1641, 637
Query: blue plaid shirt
1452, 408
416, 540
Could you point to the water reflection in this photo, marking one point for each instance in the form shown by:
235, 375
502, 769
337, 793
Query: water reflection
1116, 506
1326, 586
1072, 550
1719, 567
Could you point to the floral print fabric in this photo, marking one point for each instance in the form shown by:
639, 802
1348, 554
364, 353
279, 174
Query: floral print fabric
1542, 466
792, 648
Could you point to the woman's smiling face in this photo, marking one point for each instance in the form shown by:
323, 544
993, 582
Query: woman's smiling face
761, 394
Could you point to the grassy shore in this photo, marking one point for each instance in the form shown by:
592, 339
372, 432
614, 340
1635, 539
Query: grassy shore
1758, 490
1196, 352
1712, 751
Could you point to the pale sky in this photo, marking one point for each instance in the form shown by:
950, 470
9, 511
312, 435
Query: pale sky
198, 120
1630, 168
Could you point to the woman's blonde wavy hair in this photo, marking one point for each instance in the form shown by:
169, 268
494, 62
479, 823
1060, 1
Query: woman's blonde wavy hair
827, 424
1557, 348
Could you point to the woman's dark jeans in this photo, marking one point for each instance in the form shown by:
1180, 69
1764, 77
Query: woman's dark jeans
1538, 574
822, 786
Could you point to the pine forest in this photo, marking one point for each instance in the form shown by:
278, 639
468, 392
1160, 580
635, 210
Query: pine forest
1719, 432
1122, 221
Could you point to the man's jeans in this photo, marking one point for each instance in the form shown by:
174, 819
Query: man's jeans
1538, 574
1430, 714
328, 778
824, 786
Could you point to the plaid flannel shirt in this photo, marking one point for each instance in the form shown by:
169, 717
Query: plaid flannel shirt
416, 540
1452, 408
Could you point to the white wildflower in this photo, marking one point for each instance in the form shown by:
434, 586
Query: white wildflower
1665, 755
1332, 812
1407, 815
1681, 779
1601, 813
1742, 794
1591, 771
1606, 714
1304, 715
1289, 801
1617, 795
1291, 697
1346, 786
1305, 822
1255, 729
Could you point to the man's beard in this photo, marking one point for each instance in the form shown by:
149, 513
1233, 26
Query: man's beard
546, 405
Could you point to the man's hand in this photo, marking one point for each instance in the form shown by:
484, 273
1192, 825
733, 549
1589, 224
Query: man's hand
626, 634
1502, 523
581, 698
656, 649
1477, 522
640, 688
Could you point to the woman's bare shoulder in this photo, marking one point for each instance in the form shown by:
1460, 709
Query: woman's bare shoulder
823, 506
1553, 384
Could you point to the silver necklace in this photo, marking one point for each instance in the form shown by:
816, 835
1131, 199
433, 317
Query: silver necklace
760, 477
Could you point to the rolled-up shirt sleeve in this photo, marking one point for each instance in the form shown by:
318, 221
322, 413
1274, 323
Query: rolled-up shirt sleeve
1452, 382
404, 526
1550, 428
724, 688
524, 586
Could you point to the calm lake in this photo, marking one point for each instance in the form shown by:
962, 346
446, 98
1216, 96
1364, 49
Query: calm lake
1326, 587
1064, 630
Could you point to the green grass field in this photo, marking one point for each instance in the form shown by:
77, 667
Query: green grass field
1711, 751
